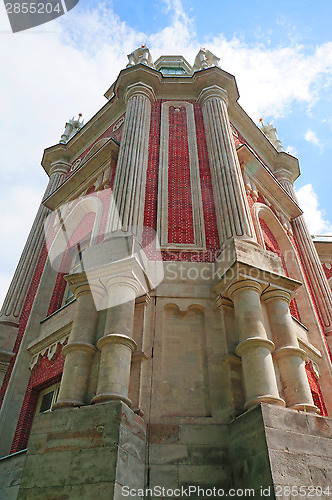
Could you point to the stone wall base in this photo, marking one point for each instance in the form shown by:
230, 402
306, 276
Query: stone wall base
93, 451
84, 453
273, 449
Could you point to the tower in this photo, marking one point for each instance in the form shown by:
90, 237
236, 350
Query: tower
169, 322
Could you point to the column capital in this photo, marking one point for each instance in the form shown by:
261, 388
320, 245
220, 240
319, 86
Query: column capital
253, 343
283, 175
142, 89
244, 284
79, 284
59, 167
117, 338
78, 346
123, 281
277, 294
213, 92
290, 350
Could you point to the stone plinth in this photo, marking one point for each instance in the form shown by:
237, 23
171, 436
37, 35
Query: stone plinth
87, 452
277, 448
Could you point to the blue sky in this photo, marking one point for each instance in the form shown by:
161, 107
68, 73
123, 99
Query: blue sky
280, 53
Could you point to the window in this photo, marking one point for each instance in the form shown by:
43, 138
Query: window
76, 267
47, 398
172, 71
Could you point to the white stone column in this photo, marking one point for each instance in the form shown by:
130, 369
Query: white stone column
80, 349
288, 353
130, 177
14, 300
117, 345
312, 265
232, 210
254, 348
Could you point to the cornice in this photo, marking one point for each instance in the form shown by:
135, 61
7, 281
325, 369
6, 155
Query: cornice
76, 182
265, 179
167, 87
93, 129
324, 250
260, 143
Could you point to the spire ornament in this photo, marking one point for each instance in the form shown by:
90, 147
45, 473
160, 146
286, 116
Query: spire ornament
71, 128
205, 59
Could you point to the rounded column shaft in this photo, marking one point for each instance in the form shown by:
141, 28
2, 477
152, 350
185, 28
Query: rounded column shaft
78, 353
254, 348
16, 295
130, 177
117, 345
232, 210
310, 259
290, 357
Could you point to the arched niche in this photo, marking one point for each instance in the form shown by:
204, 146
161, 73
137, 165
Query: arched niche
68, 219
94, 148
294, 270
181, 366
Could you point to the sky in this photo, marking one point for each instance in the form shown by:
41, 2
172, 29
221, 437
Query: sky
280, 53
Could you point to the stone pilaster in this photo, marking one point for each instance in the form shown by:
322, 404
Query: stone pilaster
232, 210
14, 300
80, 349
254, 348
312, 265
288, 354
117, 345
139, 356
130, 178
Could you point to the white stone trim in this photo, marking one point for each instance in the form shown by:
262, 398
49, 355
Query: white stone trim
196, 197
48, 346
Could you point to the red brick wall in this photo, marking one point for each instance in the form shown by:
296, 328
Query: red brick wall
180, 210
315, 390
327, 270
272, 245
117, 134
150, 212
46, 373
81, 234
24, 317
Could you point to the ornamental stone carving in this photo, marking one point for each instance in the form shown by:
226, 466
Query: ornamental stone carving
140, 56
205, 59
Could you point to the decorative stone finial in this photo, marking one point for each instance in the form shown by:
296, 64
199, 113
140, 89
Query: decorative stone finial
271, 133
140, 56
205, 59
71, 128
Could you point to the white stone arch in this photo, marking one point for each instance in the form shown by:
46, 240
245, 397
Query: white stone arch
261, 211
94, 148
67, 220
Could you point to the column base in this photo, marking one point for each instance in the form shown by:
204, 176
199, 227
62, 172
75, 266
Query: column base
102, 398
67, 403
264, 399
307, 408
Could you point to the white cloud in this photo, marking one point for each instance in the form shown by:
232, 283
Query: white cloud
55, 71
291, 150
313, 214
18, 207
311, 136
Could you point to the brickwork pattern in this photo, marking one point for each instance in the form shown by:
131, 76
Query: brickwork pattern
150, 213
316, 390
24, 317
327, 270
46, 373
117, 134
180, 211
82, 233
272, 245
